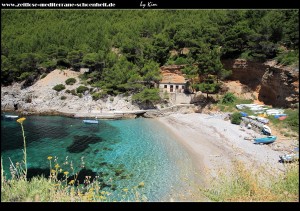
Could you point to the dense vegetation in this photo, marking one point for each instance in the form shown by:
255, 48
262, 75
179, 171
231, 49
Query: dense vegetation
123, 49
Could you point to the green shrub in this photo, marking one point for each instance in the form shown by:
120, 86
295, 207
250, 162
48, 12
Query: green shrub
288, 58
24, 76
97, 95
70, 81
44, 75
236, 118
79, 95
59, 87
63, 97
147, 95
180, 60
81, 89
228, 98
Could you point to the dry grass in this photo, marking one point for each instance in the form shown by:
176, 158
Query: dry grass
248, 186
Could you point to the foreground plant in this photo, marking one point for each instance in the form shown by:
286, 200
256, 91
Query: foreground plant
21, 120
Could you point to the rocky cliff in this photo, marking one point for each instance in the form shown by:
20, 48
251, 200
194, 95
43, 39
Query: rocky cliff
42, 99
276, 85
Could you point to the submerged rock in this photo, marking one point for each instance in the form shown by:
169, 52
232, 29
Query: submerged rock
81, 143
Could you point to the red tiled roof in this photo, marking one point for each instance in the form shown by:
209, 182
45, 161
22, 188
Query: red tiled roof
172, 78
172, 74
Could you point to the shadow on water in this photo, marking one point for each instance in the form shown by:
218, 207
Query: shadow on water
83, 176
81, 143
34, 172
12, 134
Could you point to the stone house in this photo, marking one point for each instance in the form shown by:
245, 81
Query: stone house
173, 80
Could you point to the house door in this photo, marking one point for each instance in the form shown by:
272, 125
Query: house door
171, 88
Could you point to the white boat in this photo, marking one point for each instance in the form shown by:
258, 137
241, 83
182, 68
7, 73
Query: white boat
274, 111
11, 116
263, 120
266, 130
239, 106
90, 121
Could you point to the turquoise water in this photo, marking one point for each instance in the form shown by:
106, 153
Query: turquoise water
120, 153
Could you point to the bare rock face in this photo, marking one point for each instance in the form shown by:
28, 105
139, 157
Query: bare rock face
247, 72
279, 85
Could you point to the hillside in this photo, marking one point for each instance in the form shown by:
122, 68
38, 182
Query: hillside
41, 98
124, 49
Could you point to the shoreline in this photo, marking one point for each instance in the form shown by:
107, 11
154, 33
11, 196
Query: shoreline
215, 145
105, 115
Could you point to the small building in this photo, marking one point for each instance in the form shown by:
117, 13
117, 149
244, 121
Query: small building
172, 83
84, 70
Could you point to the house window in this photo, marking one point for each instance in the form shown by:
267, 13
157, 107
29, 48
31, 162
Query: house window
177, 87
182, 87
165, 86
171, 88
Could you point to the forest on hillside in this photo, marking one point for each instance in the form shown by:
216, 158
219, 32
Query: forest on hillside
126, 47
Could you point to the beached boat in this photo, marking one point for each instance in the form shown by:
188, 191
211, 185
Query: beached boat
265, 140
287, 158
266, 130
239, 106
282, 118
262, 120
11, 116
279, 115
90, 121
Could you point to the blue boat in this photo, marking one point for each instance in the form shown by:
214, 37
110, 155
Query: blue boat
265, 140
279, 115
90, 121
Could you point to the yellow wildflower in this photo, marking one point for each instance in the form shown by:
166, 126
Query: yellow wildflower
60, 170
125, 190
71, 182
49, 158
66, 173
21, 120
56, 166
53, 171
102, 197
142, 184
102, 192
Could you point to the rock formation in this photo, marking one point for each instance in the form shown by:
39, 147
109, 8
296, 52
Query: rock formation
277, 85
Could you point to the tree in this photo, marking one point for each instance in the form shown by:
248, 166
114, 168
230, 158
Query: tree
147, 96
75, 59
208, 88
150, 73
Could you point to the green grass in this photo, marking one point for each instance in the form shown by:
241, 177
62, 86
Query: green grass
230, 107
41, 189
289, 58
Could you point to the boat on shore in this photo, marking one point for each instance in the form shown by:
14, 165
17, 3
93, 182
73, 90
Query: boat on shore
288, 158
265, 140
88, 121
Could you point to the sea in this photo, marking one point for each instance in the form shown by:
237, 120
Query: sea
125, 156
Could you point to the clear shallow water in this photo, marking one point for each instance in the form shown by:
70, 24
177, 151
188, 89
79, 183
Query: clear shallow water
123, 153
